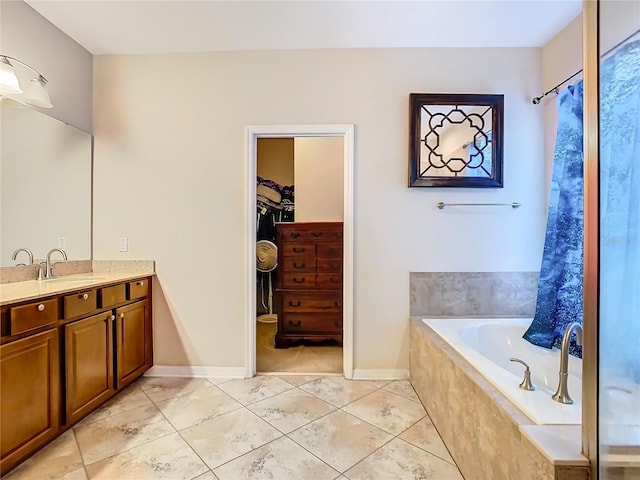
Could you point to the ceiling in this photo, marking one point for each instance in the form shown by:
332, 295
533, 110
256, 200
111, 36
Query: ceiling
144, 27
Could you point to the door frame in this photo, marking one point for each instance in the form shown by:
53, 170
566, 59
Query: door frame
252, 133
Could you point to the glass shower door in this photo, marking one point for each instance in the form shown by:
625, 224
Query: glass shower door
619, 248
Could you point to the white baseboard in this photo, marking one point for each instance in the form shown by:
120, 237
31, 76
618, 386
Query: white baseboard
195, 371
380, 374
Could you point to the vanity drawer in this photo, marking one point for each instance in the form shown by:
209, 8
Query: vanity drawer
330, 265
33, 315
311, 301
329, 281
298, 250
316, 323
80, 303
114, 295
331, 250
298, 265
298, 280
138, 289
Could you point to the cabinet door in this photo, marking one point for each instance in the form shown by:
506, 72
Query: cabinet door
134, 342
30, 398
88, 347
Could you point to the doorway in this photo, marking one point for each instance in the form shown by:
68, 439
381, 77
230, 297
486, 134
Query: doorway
253, 133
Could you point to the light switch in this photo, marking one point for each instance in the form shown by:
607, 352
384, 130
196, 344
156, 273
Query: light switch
124, 244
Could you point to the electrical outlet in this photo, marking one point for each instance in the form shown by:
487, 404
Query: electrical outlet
124, 244
62, 243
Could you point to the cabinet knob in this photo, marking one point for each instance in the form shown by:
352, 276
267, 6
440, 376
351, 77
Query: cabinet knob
122, 315
140, 283
85, 296
41, 307
113, 317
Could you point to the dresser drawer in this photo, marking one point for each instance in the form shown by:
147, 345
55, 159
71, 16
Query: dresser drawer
138, 289
311, 301
330, 250
33, 315
298, 250
110, 296
298, 265
330, 265
329, 281
315, 323
310, 232
80, 303
298, 280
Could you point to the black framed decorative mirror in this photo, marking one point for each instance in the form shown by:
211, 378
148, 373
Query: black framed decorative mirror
455, 140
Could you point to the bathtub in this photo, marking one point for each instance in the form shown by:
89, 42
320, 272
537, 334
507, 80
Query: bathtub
489, 343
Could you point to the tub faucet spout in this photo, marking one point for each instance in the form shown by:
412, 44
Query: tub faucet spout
562, 393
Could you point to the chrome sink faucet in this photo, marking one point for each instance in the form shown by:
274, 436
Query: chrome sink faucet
562, 393
48, 265
27, 251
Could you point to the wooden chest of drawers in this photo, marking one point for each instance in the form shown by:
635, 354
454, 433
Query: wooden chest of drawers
309, 293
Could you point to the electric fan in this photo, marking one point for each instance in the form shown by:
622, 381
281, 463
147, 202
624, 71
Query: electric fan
267, 261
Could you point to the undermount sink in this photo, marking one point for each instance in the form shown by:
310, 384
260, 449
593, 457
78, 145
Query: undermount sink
75, 279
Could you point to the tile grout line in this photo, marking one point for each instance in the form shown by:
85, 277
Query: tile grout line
209, 469
84, 466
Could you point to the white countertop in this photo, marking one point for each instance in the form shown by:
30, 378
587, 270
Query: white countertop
34, 289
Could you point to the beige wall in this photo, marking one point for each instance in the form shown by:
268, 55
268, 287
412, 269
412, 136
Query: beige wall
275, 160
177, 160
29, 37
319, 179
561, 57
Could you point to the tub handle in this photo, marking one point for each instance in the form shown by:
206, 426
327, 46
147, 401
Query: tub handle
526, 382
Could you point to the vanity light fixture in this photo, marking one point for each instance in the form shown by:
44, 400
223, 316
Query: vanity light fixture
35, 93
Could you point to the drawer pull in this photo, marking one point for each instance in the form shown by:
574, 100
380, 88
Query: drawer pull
299, 250
296, 280
297, 304
85, 296
294, 234
140, 284
336, 304
334, 267
334, 280
302, 265
334, 251
41, 307
113, 317
297, 324
316, 234
122, 315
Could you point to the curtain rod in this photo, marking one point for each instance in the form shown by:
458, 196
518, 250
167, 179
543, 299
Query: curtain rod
536, 100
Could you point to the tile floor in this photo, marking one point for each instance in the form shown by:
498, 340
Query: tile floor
267, 427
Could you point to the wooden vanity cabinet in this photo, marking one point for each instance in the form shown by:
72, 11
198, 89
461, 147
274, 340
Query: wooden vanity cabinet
64, 355
29, 395
133, 342
106, 351
88, 364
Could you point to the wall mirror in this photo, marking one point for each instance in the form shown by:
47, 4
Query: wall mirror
45, 184
455, 140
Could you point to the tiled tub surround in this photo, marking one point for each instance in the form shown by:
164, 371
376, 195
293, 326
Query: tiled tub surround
487, 435
473, 294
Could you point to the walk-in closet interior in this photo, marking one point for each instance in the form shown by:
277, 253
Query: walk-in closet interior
299, 231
